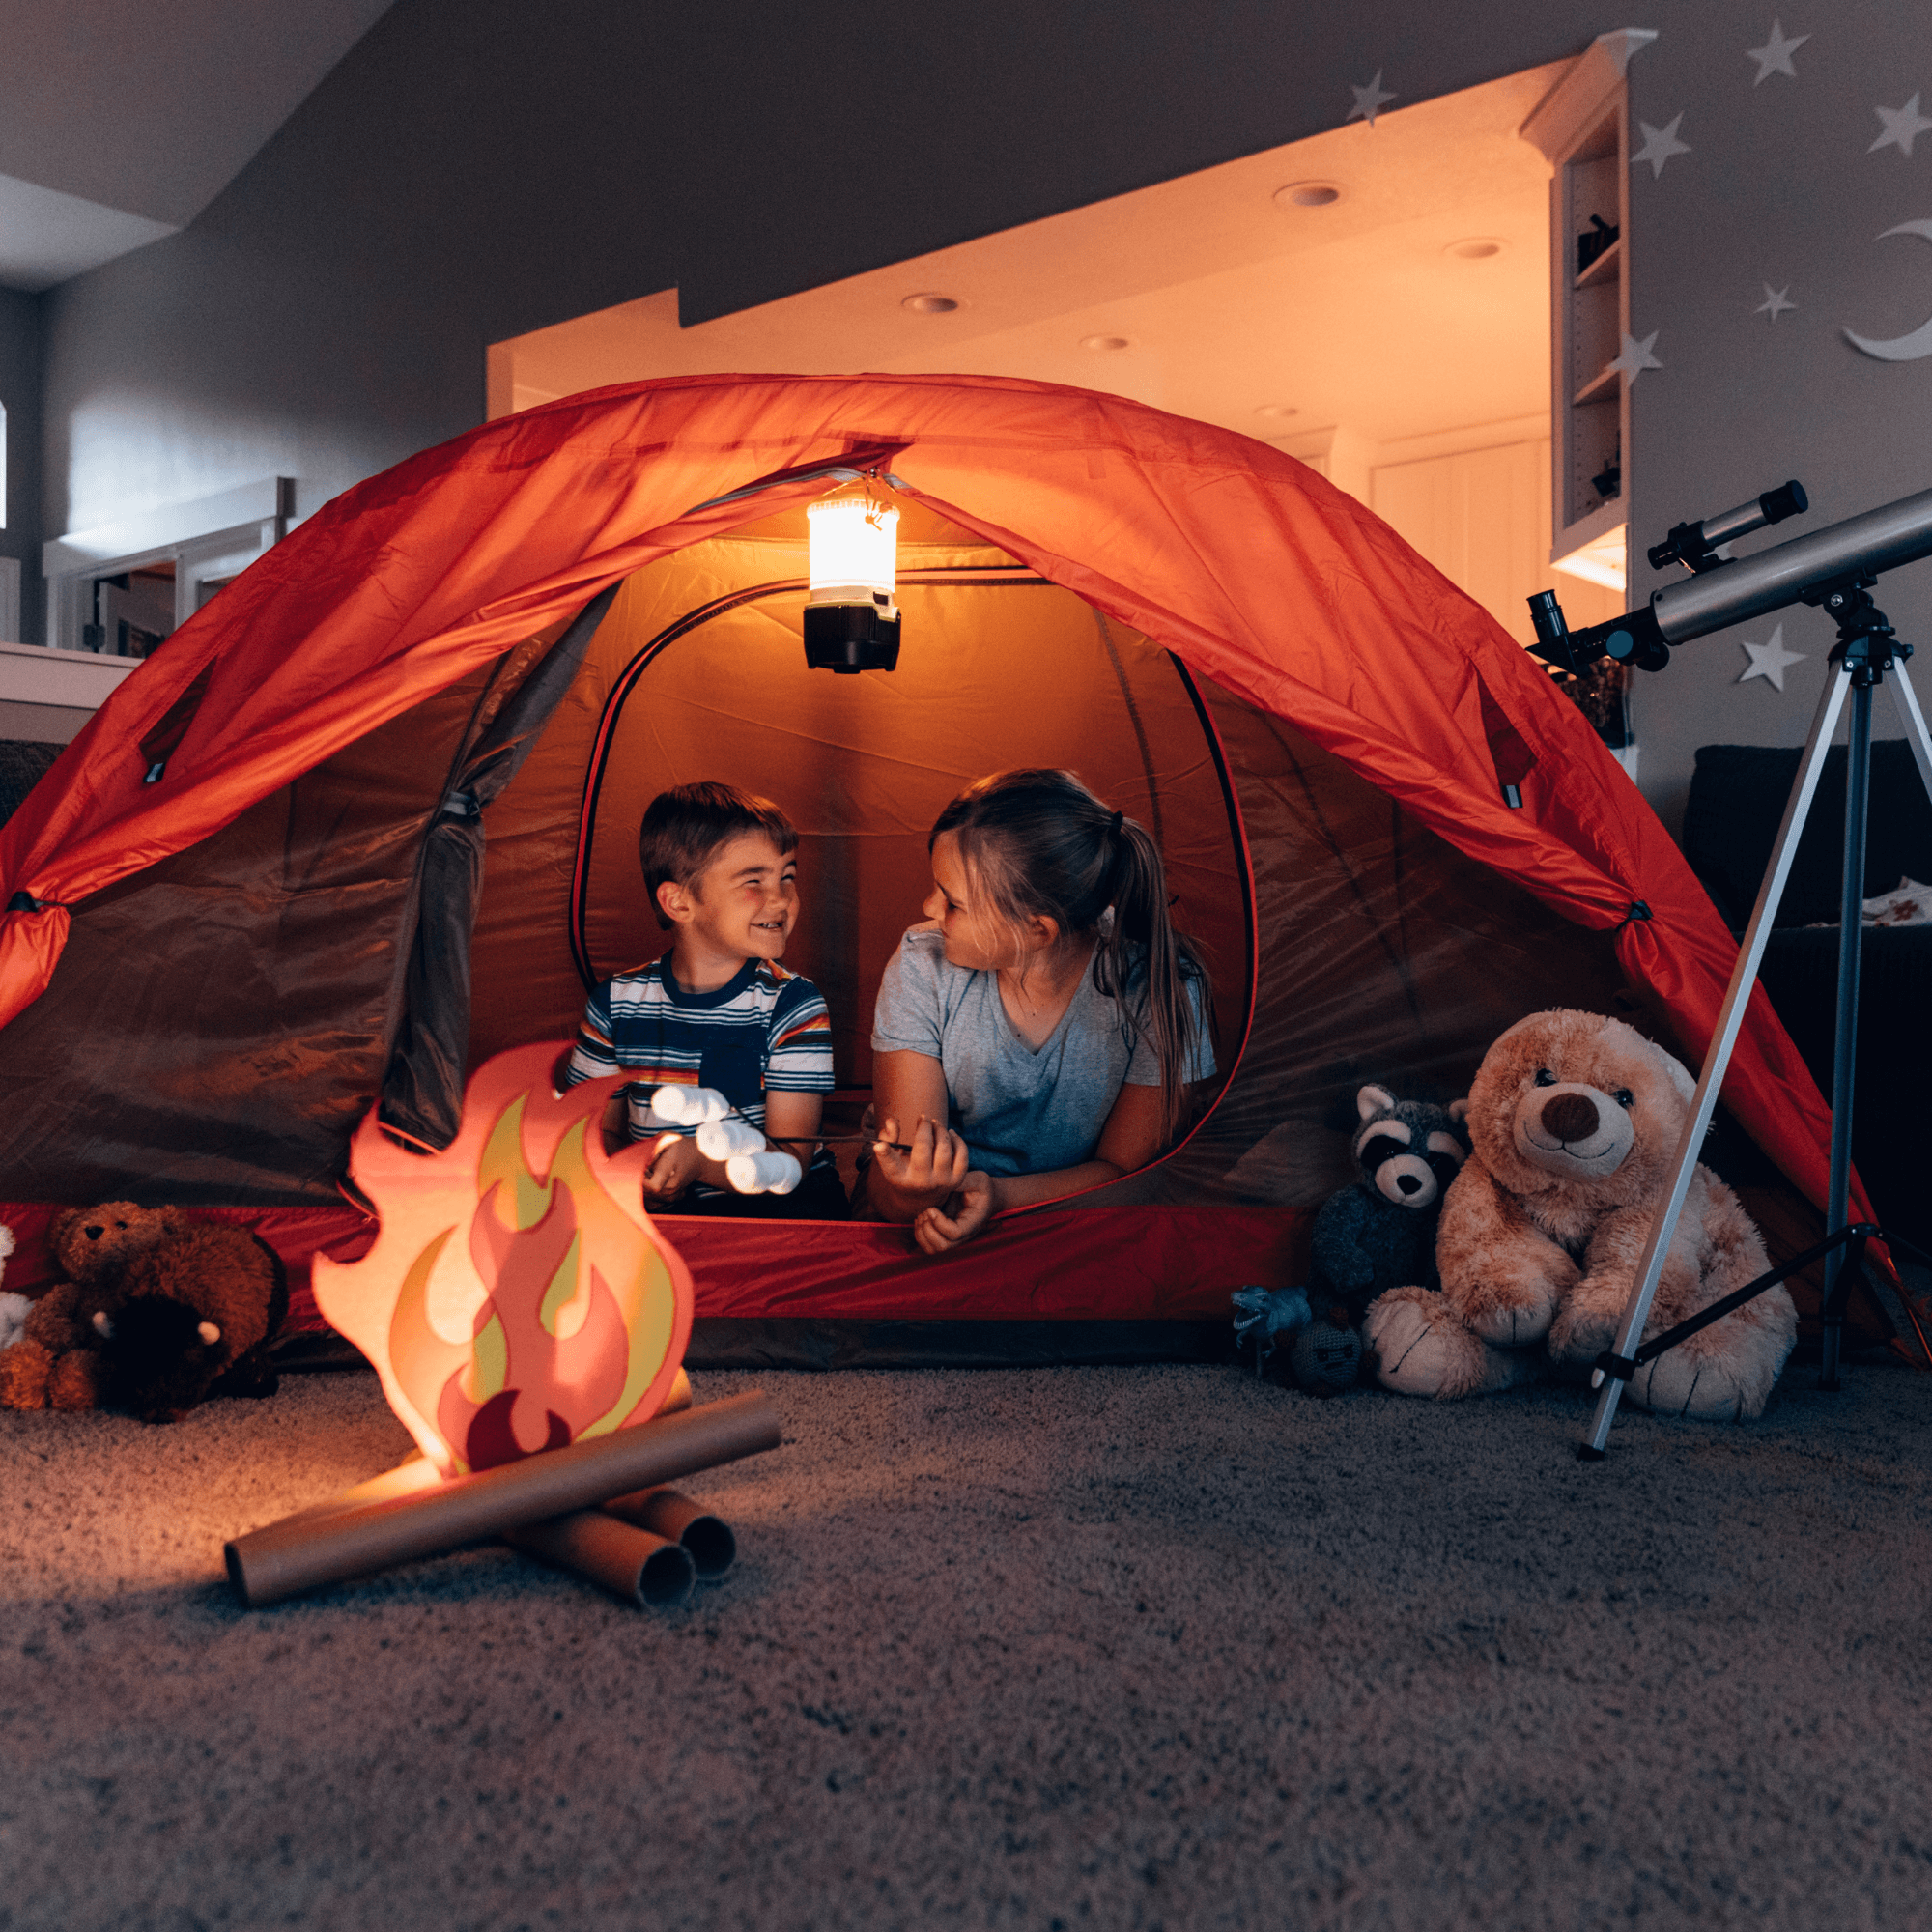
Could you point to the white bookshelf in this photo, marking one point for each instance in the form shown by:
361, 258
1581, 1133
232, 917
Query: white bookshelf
1582, 128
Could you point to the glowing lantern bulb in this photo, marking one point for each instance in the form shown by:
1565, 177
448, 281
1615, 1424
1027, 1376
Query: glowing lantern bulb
854, 552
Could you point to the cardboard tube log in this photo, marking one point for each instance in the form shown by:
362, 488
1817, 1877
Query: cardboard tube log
304, 1552
664, 1513
634, 1565
419, 1473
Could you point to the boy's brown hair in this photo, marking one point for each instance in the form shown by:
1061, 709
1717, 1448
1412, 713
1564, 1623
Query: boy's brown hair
684, 826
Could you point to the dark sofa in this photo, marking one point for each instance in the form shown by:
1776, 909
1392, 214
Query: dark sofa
1737, 800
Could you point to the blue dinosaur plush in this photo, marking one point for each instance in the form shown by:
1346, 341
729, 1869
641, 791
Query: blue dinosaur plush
1379, 1232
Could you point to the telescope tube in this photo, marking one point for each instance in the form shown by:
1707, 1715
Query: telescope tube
1879, 540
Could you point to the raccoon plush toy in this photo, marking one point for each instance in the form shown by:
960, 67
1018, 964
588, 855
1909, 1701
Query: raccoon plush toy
1379, 1232
1376, 1234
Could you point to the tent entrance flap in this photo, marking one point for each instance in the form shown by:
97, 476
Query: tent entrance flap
422, 1091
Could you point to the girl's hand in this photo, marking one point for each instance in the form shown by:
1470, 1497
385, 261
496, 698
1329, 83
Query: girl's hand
675, 1163
958, 1219
935, 1167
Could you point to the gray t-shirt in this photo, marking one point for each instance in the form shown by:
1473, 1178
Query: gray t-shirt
1018, 1111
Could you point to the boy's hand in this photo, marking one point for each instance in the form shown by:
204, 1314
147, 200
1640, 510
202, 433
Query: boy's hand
675, 1163
935, 1167
958, 1219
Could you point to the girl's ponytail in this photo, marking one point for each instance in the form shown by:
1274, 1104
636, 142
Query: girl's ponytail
1040, 843
1166, 1010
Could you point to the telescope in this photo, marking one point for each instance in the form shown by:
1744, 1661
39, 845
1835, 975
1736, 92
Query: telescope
1722, 592
1838, 569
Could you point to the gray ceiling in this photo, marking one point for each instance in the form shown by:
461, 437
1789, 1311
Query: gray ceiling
121, 120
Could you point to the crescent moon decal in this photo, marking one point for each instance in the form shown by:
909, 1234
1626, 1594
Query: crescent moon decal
1900, 348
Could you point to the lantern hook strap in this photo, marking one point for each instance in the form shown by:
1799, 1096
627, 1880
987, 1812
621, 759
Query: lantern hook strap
853, 467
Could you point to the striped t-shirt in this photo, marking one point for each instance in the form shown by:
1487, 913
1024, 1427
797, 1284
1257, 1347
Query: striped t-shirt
763, 1031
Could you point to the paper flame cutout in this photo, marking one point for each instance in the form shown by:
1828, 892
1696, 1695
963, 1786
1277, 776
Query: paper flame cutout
517, 1297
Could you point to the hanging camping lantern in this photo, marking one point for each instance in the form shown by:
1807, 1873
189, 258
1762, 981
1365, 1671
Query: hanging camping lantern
851, 624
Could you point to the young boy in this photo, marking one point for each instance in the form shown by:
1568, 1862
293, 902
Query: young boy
718, 1010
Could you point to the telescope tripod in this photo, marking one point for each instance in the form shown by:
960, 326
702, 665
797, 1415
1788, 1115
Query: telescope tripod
1866, 655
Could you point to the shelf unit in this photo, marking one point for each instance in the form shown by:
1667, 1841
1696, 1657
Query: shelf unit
1582, 128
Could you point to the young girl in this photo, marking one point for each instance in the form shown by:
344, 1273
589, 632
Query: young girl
1040, 1032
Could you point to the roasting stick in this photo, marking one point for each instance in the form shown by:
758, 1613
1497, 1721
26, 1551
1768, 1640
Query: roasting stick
755, 1159
724, 1111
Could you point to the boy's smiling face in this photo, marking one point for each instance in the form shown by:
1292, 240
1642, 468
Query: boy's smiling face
742, 905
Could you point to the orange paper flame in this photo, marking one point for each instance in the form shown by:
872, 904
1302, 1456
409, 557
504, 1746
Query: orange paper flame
561, 1313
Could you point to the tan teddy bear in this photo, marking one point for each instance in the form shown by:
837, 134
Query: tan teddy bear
1574, 1120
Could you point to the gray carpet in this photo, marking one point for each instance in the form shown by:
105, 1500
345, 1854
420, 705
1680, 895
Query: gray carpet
1058, 1648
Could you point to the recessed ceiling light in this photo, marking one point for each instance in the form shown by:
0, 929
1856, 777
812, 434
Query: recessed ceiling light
1476, 247
1104, 342
1307, 194
1277, 409
931, 305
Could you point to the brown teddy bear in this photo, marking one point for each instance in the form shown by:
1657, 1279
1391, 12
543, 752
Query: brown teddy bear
1574, 1120
157, 1313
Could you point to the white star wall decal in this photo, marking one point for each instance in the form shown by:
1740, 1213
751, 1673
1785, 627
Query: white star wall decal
1775, 56
1637, 357
1661, 143
1903, 127
1370, 100
1770, 660
1775, 302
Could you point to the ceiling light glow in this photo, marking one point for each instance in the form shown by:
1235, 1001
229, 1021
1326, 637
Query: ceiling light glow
1308, 194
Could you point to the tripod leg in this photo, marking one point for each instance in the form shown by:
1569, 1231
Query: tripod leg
1723, 1039
1914, 719
1845, 1033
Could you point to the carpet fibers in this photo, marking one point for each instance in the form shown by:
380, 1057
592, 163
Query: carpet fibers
1134, 1648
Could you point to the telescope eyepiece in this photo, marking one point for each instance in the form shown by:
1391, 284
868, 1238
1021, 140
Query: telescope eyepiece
1552, 633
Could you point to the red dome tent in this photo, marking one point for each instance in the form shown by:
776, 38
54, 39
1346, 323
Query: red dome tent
241, 906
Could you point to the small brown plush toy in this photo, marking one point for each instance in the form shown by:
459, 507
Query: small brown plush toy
1574, 1120
157, 1313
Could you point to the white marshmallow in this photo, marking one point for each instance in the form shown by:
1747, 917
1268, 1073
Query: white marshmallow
720, 1140
770, 1173
688, 1106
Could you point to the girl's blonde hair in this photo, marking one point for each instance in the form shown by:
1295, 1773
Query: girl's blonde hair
1038, 844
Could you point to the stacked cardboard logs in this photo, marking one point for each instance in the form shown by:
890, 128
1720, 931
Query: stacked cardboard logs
600, 1507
